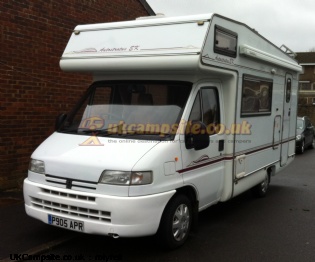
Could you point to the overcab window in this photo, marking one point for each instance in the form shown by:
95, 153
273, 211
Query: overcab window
225, 42
256, 96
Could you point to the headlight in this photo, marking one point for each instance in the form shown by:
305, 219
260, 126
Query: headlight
115, 177
125, 178
298, 137
37, 166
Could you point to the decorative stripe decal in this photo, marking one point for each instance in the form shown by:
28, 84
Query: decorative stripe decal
204, 164
209, 161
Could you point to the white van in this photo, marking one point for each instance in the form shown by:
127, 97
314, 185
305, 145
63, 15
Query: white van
184, 113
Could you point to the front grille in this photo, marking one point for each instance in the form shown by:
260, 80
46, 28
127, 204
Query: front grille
71, 183
71, 210
74, 196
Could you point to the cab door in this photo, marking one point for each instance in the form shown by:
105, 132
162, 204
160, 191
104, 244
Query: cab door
203, 168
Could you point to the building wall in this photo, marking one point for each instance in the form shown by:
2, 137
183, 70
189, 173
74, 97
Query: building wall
306, 105
308, 74
33, 89
307, 111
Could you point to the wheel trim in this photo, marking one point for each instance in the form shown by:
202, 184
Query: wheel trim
181, 220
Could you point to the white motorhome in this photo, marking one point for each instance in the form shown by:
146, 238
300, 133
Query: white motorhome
184, 113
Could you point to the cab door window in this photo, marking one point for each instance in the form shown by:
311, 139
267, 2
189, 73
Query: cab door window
206, 107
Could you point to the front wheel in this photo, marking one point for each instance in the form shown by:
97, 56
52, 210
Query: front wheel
176, 222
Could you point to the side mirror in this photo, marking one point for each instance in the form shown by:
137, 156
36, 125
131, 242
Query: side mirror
197, 136
59, 120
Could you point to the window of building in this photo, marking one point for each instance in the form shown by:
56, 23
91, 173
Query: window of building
305, 86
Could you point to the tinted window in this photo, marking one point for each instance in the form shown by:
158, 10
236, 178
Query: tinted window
225, 42
137, 109
256, 96
206, 107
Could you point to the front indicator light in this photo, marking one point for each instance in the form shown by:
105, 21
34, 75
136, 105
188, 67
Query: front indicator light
141, 178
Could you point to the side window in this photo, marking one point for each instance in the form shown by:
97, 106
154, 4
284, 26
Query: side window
256, 96
206, 107
196, 109
210, 105
288, 91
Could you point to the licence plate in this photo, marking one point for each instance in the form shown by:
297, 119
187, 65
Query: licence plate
66, 223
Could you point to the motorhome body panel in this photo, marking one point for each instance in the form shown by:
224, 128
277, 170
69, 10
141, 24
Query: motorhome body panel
250, 50
251, 91
263, 138
90, 46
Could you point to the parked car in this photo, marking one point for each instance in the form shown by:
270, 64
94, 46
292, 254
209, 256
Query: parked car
304, 134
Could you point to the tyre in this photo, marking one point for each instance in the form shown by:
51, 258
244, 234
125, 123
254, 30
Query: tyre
312, 146
261, 189
302, 148
176, 222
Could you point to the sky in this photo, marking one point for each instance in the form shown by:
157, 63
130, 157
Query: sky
288, 22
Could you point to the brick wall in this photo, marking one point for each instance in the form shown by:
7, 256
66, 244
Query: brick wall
307, 110
33, 89
307, 96
308, 74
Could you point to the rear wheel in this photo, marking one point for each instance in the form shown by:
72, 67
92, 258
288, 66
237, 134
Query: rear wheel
261, 189
176, 222
302, 148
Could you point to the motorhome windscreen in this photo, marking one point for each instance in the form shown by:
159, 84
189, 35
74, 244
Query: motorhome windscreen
136, 110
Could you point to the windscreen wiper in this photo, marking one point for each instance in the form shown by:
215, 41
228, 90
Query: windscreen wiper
97, 132
160, 134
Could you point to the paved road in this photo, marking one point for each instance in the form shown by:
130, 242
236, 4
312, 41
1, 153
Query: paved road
280, 227
20, 233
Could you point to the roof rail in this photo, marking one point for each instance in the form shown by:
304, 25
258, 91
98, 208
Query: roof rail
288, 51
158, 15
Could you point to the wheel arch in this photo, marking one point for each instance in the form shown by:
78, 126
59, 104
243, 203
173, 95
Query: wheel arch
271, 170
191, 192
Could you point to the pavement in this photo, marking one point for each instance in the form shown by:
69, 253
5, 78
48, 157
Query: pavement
21, 234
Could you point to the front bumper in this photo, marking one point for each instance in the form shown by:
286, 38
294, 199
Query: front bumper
101, 214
